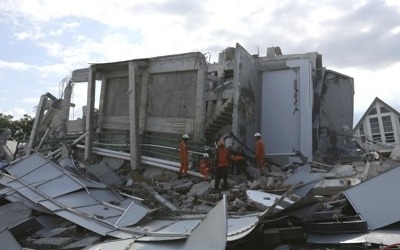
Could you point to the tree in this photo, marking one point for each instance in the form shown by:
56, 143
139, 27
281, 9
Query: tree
20, 129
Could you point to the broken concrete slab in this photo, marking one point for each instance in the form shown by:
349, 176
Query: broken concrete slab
80, 244
199, 189
113, 163
105, 174
52, 242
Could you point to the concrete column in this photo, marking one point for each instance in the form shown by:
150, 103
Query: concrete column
143, 101
36, 124
199, 120
90, 113
132, 71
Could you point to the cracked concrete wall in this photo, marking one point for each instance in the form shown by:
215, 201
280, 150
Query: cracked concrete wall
336, 112
247, 97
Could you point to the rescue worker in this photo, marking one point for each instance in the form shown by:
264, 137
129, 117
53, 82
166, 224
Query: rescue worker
260, 152
238, 162
205, 166
222, 162
184, 155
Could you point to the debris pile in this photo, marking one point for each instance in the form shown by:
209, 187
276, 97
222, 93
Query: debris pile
49, 204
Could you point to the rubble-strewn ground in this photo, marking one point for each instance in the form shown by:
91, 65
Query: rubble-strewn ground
282, 225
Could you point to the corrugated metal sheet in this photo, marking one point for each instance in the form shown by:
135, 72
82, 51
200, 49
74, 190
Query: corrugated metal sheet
377, 200
210, 233
99, 209
47, 184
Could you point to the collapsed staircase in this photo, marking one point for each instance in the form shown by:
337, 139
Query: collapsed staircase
221, 118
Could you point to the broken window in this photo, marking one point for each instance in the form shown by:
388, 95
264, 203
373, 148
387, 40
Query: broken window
388, 128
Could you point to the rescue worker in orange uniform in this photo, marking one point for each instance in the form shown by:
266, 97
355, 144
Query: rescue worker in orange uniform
260, 152
183, 148
222, 162
205, 166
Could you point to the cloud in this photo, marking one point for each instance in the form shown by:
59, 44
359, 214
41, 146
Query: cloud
17, 66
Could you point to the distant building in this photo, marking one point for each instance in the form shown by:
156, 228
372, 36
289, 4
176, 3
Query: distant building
378, 126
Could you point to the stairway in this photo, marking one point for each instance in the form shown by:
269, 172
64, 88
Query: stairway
221, 118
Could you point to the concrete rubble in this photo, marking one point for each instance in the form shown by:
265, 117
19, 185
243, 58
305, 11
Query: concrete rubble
282, 211
109, 180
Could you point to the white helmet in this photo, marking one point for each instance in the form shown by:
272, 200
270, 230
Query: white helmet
206, 155
257, 135
185, 136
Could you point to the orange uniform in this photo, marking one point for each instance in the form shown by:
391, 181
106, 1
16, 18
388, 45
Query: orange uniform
184, 154
260, 153
205, 167
222, 162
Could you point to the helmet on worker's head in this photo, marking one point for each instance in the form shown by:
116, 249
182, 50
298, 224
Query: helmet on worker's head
206, 155
185, 136
257, 135
221, 142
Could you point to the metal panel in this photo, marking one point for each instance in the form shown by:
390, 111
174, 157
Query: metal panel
82, 221
99, 211
241, 226
133, 214
212, 231
109, 197
40, 174
303, 175
182, 226
91, 216
77, 199
381, 237
59, 186
8, 241
27, 164
286, 119
90, 183
377, 194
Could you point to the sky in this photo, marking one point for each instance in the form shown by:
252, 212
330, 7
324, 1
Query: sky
43, 41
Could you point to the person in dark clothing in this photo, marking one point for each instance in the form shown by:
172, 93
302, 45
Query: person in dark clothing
238, 161
222, 163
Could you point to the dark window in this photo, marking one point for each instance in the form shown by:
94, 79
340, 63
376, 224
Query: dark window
387, 124
375, 130
384, 110
388, 129
377, 137
389, 137
374, 123
373, 111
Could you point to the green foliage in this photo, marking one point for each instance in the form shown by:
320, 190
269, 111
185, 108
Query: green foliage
20, 129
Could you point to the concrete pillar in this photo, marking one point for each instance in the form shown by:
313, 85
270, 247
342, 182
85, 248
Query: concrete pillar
143, 101
132, 71
199, 119
90, 113
36, 123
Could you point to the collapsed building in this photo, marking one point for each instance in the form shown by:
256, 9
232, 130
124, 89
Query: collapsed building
72, 168
300, 107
